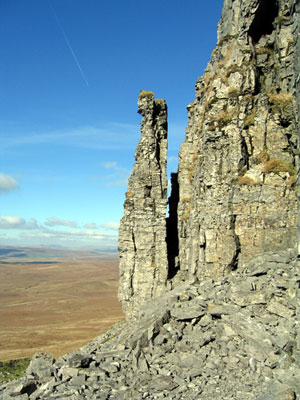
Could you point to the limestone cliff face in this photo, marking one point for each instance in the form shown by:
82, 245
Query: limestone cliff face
237, 168
142, 234
234, 194
295, 8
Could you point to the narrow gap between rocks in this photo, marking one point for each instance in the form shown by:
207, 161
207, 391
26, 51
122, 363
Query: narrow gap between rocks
172, 230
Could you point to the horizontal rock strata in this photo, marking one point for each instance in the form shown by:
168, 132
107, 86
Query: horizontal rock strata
142, 233
237, 165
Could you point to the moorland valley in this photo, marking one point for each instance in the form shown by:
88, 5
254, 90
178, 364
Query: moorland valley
54, 300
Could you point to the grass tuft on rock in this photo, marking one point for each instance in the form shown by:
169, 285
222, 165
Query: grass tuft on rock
246, 180
281, 102
277, 166
146, 93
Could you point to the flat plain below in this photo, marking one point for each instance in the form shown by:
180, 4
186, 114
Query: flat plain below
55, 304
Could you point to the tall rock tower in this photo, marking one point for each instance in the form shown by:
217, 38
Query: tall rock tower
142, 233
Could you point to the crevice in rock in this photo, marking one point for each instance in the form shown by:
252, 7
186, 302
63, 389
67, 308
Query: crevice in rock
257, 89
262, 23
160, 125
235, 259
285, 123
244, 161
172, 230
147, 191
133, 241
29, 388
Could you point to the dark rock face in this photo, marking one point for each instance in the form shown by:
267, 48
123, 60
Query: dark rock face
211, 294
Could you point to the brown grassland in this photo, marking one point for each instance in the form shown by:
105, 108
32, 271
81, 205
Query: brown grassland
56, 306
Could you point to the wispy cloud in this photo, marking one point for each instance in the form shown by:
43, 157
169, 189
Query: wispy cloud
60, 222
91, 225
110, 164
15, 222
110, 136
15, 229
110, 225
118, 176
173, 159
11, 222
73, 237
7, 183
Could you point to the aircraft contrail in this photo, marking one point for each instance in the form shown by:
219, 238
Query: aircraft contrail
69, 45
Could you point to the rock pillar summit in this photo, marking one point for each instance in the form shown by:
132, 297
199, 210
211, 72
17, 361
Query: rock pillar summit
142, 233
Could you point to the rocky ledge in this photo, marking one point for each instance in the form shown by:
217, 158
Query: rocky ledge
229, 338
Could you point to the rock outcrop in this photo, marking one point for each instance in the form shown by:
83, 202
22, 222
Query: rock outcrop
228, 338
234, 195
142, 233
237, 165
211, 293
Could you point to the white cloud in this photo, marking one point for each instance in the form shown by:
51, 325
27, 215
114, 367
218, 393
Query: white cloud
119, 175
75, 237
11, 222
32, 224
111, 225
110, 164
15, 229
60, 222
90, 226
15, 222
7, 183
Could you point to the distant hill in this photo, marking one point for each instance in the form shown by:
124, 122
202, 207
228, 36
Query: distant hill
23, 255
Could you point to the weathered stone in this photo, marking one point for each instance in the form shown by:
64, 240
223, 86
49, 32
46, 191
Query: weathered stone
147, 330
80, 360
41, 366
162, 383
279, 309
212, 295
231, 205
78, 380
142, 233
187, 313
217, 310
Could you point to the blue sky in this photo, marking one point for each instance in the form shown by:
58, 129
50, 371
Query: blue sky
70, 75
